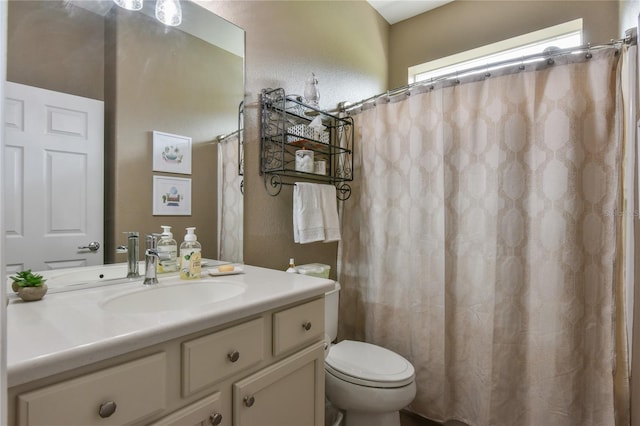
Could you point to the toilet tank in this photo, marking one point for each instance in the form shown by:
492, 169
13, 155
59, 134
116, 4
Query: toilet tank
331, 304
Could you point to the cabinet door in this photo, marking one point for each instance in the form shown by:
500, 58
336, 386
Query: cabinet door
288, 393
206, 412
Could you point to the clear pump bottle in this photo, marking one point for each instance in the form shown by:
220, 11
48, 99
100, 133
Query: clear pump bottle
168, 247
190, 256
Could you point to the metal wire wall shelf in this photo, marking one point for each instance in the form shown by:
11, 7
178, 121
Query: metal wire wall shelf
285, 129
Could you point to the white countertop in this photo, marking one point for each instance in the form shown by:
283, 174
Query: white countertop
70, 329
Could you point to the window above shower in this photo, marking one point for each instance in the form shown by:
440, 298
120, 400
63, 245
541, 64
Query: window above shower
562, 36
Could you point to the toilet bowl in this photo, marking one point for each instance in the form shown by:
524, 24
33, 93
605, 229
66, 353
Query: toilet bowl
369, 383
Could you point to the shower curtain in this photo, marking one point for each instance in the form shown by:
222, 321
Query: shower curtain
483, 243
230, 202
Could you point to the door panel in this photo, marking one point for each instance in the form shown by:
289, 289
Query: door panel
53, 178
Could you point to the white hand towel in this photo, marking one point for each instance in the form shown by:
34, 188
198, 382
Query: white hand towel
329, 203
308, 223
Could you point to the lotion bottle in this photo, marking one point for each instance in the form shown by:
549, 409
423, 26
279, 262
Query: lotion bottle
292, 267
190, 256
168, 248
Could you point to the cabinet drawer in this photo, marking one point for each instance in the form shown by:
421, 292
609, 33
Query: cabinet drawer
297, 326
135, 389
207, 411
211, 358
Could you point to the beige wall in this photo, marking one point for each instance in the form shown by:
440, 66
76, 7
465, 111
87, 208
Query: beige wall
345, 44
171, 82
467, 24
55, 48
629, 11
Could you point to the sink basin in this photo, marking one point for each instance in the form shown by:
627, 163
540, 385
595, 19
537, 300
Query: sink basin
173, 297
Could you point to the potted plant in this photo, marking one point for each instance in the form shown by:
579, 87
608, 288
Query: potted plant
29, 286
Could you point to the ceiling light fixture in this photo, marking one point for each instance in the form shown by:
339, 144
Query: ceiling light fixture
169, 12
129, 4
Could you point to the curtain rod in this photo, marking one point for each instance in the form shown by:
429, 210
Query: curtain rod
548, 55
221, 138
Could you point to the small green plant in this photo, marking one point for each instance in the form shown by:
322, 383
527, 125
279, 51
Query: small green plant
27, 279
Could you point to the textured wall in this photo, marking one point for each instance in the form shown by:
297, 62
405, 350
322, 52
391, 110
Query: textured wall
55, 48
345, 44
467, 24
629, 11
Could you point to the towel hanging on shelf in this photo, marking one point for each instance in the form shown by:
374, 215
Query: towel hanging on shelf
315, 213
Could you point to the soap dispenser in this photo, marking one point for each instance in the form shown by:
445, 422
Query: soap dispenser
190, 256
168, 248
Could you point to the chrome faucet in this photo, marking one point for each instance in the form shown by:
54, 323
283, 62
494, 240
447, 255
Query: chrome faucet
132, 254
151, 257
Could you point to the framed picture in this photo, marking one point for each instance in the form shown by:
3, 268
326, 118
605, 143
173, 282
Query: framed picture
171, 196
171, 153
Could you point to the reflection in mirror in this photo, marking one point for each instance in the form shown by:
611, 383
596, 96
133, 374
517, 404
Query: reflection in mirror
96, 80
230, 191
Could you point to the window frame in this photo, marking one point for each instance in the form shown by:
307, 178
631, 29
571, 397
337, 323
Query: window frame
493, 52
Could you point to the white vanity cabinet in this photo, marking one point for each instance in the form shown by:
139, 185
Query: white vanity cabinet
264, 370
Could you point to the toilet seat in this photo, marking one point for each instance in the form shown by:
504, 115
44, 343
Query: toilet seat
365, 364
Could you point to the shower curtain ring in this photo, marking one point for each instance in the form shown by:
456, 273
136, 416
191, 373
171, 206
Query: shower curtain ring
588, 55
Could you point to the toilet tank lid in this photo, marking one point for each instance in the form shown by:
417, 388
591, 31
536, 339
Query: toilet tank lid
369, 363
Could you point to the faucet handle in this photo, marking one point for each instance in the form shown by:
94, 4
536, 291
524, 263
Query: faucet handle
152, 241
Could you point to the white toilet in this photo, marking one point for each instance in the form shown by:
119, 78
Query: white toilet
369, 383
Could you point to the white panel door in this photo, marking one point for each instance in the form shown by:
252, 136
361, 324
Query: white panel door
53, 168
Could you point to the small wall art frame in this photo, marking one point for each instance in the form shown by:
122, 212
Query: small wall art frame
171, 196
171, 153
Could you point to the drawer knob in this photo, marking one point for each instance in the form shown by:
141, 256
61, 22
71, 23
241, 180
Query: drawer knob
306, 325
107, 409
233, 356
215, 419
249, 401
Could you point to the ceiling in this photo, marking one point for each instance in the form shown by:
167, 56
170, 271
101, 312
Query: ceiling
399, 10
391, 10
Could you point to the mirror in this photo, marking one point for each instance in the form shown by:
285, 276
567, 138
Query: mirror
185, 81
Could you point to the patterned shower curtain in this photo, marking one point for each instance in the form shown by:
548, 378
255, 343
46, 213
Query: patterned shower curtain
230, 202
482, 243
